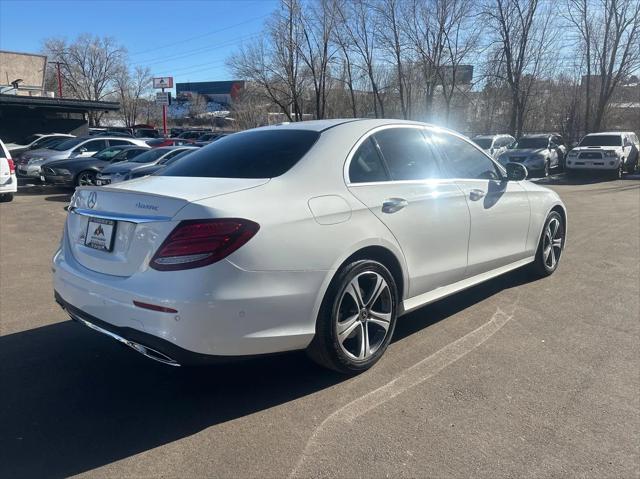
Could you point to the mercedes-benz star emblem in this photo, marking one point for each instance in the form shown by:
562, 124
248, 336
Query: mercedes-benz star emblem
93, 198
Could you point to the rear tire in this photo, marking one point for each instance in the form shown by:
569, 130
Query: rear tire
6, 197
354, 326
550, 246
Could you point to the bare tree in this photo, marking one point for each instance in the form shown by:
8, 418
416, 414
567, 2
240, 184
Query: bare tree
524, 36
132, 87
358, 27
273, 61
197, 105
609, 33
461, 31
89, 67
317, 49
391, 33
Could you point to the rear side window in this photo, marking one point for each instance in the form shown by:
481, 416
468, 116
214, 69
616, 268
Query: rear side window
407, 155
366, 165
120, 142
95, 145
254, 154
464, 160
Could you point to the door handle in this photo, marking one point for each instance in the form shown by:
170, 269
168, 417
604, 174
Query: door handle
393, 205
475, 194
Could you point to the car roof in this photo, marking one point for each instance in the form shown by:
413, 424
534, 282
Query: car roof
491, 136
539, 135
608, 133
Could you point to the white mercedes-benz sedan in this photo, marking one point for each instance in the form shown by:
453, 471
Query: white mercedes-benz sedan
315, 235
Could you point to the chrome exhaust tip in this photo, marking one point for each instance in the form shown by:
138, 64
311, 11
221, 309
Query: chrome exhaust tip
140, 348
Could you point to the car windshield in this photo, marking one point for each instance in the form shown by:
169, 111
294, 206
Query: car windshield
253, 154
484, 143
68, 144
171, 160
534, 143
149, 156
108, 153
601, 140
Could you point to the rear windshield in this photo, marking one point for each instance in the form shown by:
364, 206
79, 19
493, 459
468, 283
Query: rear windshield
149, 156
484, 143
254, 154
601, 140
524, 143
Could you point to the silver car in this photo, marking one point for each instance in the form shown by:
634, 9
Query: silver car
33, 161
494, 145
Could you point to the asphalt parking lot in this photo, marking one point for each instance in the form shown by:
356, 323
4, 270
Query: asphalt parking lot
509, 379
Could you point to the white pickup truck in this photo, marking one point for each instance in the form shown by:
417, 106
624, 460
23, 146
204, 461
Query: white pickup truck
614, 152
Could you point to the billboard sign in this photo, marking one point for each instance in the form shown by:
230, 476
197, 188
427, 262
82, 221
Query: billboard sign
28, 68
163, 82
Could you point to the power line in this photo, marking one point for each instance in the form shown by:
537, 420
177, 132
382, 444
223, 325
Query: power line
186, 40
193, 52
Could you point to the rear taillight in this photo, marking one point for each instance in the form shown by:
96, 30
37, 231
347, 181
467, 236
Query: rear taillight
12, 166
196, 243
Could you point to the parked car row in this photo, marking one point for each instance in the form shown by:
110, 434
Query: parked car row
614, 152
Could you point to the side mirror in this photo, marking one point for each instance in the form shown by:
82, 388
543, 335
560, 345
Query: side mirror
516, 172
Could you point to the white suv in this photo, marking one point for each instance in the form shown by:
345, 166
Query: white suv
8, 180
613, 152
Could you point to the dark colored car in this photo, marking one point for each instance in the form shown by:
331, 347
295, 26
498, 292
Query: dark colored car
191, 135
207, 138
124, 171
151, 169
159, 142
83, 171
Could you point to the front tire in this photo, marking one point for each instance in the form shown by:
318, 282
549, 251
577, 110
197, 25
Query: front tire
6, 197
86, 178
550, 246
357, 318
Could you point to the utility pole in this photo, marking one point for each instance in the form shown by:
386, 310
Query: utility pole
57, 64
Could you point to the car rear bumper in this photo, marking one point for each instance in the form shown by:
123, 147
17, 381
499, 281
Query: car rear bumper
221, 310
9, 184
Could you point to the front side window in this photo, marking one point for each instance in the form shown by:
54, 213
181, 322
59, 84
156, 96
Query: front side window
95, 145
252, 154
366, 165
484, 143
463, 160
407, 154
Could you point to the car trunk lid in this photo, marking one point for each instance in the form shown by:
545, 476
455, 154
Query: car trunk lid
116, 230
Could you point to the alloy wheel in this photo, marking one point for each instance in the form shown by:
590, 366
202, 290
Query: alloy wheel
86, 179
552, 243
364, 315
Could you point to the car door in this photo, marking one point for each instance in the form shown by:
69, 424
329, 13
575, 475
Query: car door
499, 209
396, 173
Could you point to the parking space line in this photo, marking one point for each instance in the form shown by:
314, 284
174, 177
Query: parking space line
413, 376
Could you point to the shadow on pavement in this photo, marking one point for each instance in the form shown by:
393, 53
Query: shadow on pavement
73, 400
59, 198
